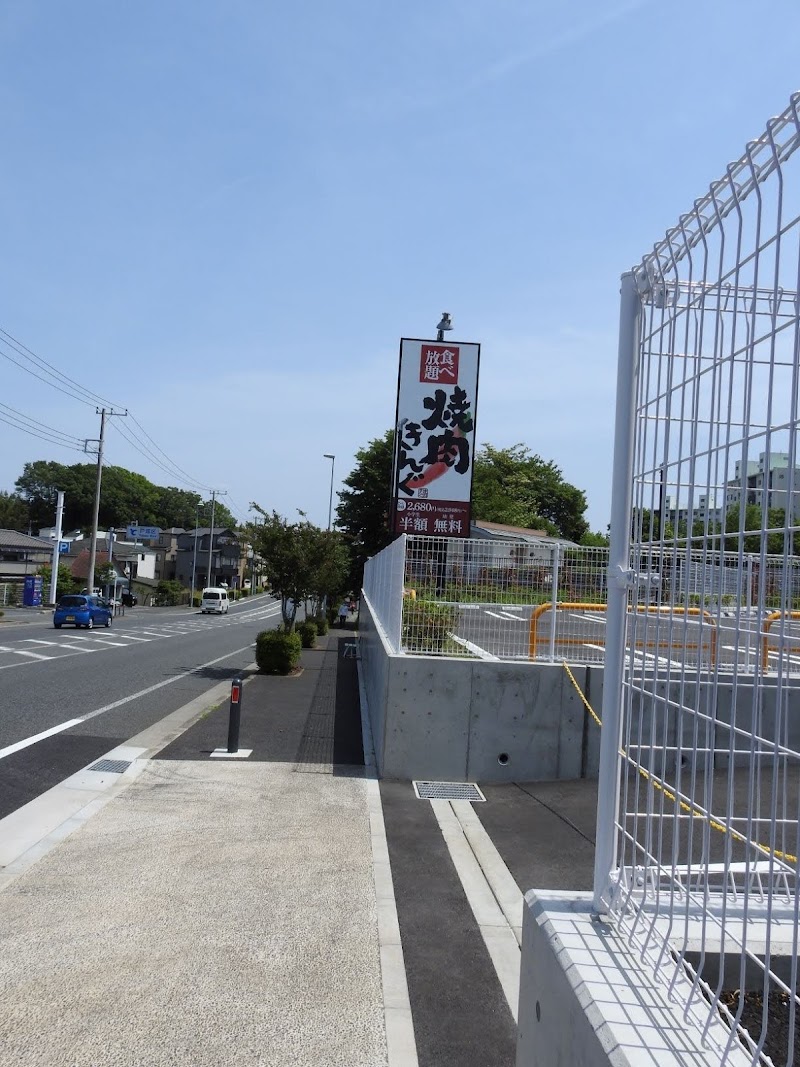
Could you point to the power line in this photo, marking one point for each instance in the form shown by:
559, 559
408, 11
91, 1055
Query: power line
39, 425
71, 385
171, 471
56, 379
18, 421
172, 463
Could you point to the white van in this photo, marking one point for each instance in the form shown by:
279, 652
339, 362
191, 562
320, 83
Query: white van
214, 601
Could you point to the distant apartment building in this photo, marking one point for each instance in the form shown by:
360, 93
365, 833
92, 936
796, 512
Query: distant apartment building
768, 482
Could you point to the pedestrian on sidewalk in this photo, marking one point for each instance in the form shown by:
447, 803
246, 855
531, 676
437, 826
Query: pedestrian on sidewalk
343, 613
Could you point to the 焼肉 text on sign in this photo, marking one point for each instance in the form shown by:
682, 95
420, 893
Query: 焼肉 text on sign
434, 438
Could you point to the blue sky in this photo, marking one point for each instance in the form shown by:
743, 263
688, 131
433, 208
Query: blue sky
223, 216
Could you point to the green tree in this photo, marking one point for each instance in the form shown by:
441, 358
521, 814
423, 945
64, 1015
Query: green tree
125, 496
595, 540
363, 510
300, 561
104, 574
65, 583
515, 486
13, 512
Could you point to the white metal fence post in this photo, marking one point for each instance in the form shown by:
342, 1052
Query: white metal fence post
618, 584
394, 624
556, 560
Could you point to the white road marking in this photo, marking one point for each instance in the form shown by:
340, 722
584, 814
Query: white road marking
105, 641
495, 615
26, 742
18, 745
475, 649
22, 652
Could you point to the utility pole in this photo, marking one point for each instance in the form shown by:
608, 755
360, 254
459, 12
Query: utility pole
194, 554
214, 494
93, 545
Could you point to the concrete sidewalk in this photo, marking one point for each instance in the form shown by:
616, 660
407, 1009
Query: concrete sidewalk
280, 909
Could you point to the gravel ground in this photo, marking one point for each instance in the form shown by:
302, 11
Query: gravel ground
776, 1044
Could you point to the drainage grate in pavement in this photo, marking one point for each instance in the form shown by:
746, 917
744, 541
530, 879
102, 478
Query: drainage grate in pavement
115, 766
448, 791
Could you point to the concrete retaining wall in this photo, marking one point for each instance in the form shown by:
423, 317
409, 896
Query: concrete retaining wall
494, 721
459, 720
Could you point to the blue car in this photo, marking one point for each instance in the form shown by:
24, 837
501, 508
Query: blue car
80, 609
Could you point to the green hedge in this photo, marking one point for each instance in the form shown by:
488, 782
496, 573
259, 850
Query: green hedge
322, 625
308, 633
277, 652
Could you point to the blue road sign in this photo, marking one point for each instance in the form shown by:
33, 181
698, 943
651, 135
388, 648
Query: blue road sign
144, 533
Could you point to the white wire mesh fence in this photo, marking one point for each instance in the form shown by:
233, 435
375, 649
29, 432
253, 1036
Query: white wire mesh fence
383, 588
541, 600
698, 828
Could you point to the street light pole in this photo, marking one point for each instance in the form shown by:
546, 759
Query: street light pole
327, 455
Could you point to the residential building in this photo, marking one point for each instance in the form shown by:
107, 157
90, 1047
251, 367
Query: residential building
167, 553
21, 555
227, 565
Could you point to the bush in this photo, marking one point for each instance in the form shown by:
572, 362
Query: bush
308, 633
169, 593
245, 592
277, 652
321, 624
427, 625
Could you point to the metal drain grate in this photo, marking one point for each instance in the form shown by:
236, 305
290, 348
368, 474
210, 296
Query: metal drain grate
115, 766
448, 791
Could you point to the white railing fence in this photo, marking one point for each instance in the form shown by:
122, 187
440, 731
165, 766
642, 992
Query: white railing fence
698, 839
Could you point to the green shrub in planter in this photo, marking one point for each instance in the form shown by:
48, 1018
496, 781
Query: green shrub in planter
277, 652
321, 623
308, 633
427, 625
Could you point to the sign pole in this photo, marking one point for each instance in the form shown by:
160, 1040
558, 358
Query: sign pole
57, 546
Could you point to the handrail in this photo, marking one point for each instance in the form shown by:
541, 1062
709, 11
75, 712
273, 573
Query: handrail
534, 640
768, 621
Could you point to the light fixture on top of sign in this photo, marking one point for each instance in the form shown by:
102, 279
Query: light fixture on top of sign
445, 324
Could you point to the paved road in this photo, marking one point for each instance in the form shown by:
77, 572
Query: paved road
69, 696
